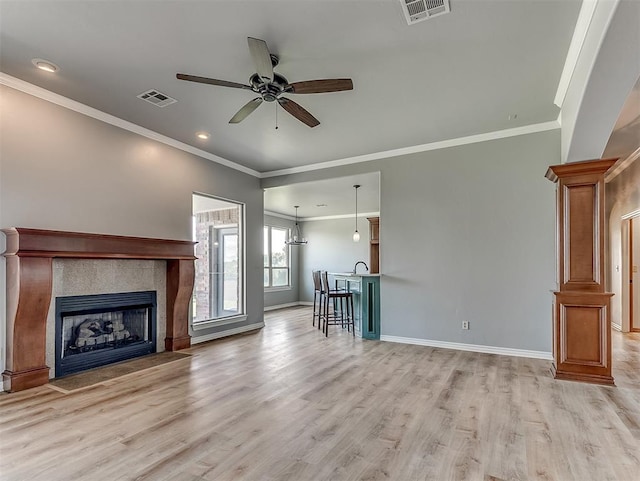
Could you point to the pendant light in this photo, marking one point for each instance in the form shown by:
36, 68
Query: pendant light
296, 238
356, 234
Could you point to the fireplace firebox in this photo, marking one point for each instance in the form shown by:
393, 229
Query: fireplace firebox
97, 330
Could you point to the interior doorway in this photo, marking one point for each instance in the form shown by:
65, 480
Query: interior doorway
630, 274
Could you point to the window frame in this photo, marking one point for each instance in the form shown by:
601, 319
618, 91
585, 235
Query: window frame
241, 315
267, 228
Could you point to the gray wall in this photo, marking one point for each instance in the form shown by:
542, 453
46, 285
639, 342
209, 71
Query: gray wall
278, 297
466, 233
65, 171
331, 248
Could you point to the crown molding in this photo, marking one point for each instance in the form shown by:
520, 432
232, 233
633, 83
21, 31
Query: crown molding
444, 144
324, 217
81, 108
341, 216
65, 102
575, 48
621, 165
281, 216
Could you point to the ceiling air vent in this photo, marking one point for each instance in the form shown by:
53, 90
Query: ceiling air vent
156, 98
418, 10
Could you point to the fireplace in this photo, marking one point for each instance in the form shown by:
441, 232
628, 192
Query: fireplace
96, 330
30, 256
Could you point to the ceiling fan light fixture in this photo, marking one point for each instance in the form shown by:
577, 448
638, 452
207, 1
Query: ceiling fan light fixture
45, 65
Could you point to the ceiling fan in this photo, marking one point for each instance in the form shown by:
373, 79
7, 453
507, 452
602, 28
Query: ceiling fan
271, 86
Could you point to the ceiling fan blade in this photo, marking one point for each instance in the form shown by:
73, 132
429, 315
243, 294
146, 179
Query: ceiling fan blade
211, 81
298, 112
261, 57
244, 112
321, 86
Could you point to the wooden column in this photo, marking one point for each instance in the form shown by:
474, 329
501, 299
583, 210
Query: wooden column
30, 254
29, 282
581, 314
180, 279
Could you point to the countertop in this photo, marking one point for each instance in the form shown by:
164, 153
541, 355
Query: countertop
351, 274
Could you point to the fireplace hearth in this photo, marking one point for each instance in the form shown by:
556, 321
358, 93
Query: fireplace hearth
96, 330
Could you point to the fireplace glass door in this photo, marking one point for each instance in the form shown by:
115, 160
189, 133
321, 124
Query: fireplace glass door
101, 329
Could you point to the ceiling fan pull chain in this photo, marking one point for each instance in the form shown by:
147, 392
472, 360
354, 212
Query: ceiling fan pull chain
276, 107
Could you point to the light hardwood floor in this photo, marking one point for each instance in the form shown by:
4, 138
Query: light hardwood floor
286, 403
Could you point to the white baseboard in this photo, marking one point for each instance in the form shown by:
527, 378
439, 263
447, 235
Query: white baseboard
289, 304
228, 332
504, 351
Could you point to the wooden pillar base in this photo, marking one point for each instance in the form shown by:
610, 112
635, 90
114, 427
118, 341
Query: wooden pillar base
177, 343
570, 376
582, 336
19, 381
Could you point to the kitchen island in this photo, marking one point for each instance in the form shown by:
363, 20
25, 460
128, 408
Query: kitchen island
366, 299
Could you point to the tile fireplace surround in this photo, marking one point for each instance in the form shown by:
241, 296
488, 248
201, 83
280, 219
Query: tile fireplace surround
30, 254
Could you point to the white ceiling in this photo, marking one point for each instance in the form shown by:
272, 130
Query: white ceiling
456, 75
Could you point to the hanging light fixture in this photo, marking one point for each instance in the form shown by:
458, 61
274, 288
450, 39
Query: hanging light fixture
296, 238
356, 234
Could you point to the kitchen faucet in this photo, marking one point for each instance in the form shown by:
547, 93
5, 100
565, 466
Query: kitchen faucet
360, 262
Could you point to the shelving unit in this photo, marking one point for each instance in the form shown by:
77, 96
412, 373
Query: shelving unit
374, 245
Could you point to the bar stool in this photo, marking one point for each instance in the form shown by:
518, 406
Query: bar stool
317, 297
330, 297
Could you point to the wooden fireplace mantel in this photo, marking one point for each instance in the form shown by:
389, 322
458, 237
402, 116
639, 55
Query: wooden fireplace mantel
30, 254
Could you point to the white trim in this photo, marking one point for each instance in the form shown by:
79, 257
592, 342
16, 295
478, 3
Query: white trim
621, 165
199, 326
305, 303
471, 139
277, 288
281, 306
65, 102
281, 216
577, 41
341, 216
228, 332
323, 217
630, 215
503, 351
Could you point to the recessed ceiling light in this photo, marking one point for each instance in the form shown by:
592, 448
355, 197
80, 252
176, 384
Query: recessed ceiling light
513, 116
202, 135
321, 205
45, 65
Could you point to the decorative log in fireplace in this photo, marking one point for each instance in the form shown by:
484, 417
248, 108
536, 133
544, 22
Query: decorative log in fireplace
30, 254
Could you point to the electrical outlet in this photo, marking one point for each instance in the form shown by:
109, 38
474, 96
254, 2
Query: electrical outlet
465, 325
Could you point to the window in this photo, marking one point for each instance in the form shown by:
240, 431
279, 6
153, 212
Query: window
219, 281
276, 257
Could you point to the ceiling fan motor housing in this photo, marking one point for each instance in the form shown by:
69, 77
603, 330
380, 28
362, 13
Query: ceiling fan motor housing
268, 90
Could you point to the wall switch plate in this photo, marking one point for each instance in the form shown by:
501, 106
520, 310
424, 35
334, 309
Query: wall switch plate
465, 325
